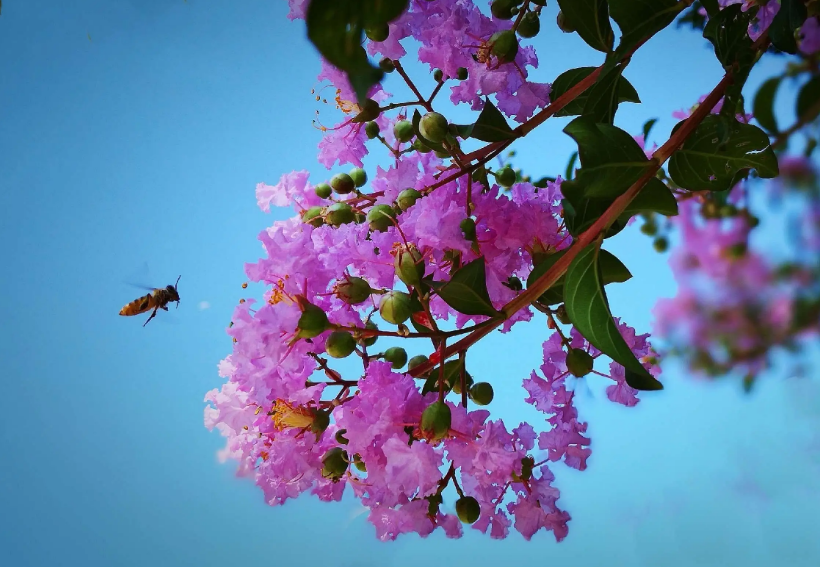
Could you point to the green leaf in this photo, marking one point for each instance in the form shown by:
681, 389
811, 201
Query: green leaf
466, 292
728, 32
763, 106
604, 96
568, 79
639, 20
611, 160
580, 214
490, 126
647, 127
808, 100
588, 310
590, 18
452, 372
612, 271
719, 152
711, 6
791, 15
336, 28
571, 166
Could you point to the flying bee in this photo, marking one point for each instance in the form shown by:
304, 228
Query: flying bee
159, 298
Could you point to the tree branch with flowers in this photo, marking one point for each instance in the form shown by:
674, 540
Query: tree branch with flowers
441, 248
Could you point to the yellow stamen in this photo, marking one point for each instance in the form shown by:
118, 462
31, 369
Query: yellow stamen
285, 415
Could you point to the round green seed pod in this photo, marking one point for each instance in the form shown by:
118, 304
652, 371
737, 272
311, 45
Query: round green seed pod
342, 183
359, 176
396, 356
661, 244
579, 362
563, 24
387, 65
502, 9
313, 322
313, 216
340, 344
353, 290
378, 33
395, 307
530, 25
416, 360
370, 341
408, 198
462, 74
438, 75
504, 46
323, 190
334, 463
403, 130
433, 127
481, 393
436, 420
505, 176
468, 228
380, 217
339, 214
468, 509
371, 129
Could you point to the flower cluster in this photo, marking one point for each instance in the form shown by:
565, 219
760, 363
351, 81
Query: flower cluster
363, 259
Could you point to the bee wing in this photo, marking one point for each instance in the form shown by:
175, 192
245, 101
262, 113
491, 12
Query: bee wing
139, 277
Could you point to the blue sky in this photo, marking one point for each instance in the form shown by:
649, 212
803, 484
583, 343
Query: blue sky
136, 131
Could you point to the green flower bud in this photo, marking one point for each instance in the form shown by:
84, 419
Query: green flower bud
661, 244
353, 290
408, 198
339, 214
481, 393
649, 228
371, 129
467, 227
396, 356
462, 74
421, 147
313, 216
334, 463
504, 46
322, 190
340, 344
409, 265
416, 360
369, 111
321, 421
359, 176
342, 183
468, 509
387, 65
562, 314
502, 10
395, 307
340, 437
579, 362
380, 217
433, 126
505, 176
370, 341
313, 321
435, 421
563, 24
378, 33
438, 75
530, 25
443, 155
403, 130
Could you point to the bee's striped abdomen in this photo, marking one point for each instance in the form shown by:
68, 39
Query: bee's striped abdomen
140, 305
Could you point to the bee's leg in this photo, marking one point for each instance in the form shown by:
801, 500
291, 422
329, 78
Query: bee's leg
164, 307
153, 314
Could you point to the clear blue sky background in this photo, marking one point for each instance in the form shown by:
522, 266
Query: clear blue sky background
144, 143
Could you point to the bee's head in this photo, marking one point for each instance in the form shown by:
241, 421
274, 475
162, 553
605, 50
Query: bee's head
172, 290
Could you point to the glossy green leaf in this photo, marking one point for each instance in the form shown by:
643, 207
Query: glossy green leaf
640, 19
580, 214
611, 160
808, 100
588, 310
763, 107
590, 18
612, 271
570, 171
647, 128
604, 97
791, 15
490, 126
719, 152
728, 32
466, 292
568, 79
336, 28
